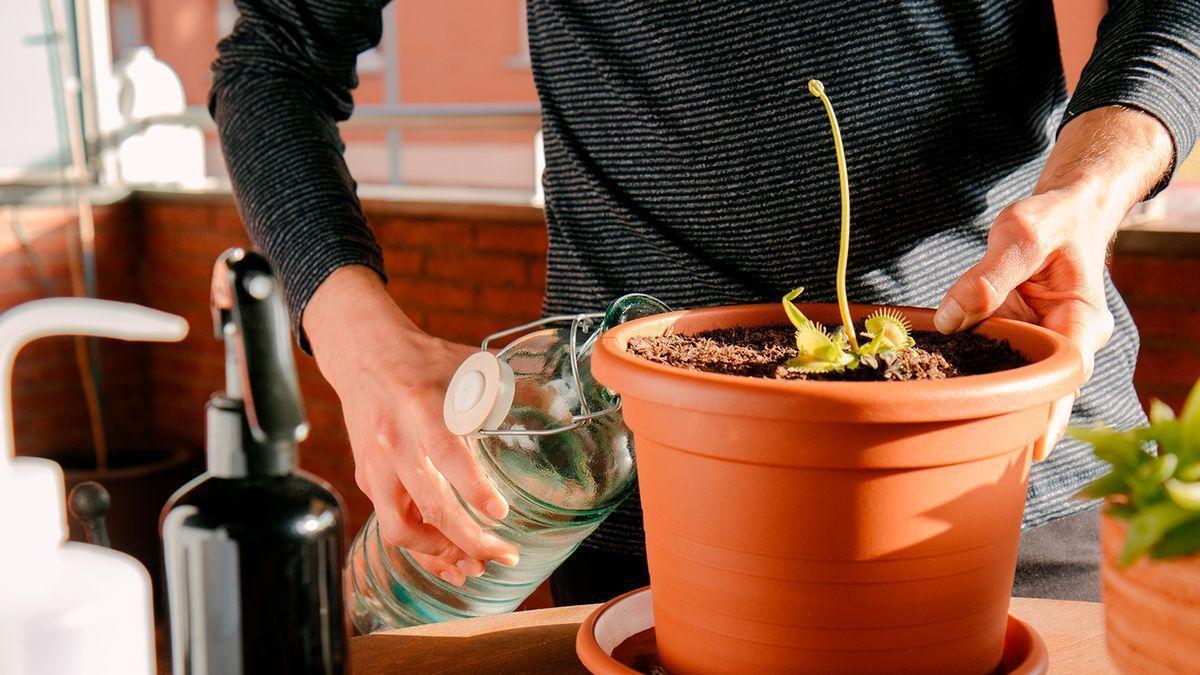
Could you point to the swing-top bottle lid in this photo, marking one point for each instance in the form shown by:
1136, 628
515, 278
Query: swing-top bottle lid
480, 394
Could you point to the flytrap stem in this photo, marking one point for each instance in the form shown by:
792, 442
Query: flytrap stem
817, 89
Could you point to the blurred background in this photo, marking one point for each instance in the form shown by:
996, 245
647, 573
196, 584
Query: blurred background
112, 185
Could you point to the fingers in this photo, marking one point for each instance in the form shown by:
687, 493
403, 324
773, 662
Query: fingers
1089, 326
454, 460
1060, 417
440, 509
455, 574
1016, 250
1015, 307
399, 520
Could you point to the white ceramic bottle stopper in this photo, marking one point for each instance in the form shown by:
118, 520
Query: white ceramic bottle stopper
66, 608
480, 394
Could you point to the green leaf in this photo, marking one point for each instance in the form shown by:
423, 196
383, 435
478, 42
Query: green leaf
793, 312
1160, 412
1182, 540
1189, 473
1122, 449
890, 327
1120, 511
1185, 494
818, 352
1148, 526
1157, 470
1168, 436
1147, 480
1107, 485
1189, 421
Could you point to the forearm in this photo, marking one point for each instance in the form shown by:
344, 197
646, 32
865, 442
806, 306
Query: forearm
1111, 157
351, 313
1147, 57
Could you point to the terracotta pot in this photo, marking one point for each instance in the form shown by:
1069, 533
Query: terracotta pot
832, 526
1151, 608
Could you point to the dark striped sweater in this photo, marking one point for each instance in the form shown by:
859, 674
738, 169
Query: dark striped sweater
685, 158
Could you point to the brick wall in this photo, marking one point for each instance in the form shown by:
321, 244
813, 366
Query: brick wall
51, 413
1156, 273
460, 271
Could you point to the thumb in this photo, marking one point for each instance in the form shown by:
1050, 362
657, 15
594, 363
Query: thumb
1013, 256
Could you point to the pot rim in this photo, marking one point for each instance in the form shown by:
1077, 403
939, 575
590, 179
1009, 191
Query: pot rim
1055, 371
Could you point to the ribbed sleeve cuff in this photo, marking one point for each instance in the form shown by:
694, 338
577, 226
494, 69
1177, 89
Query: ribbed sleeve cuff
1147, 60
301, 270
1179, 126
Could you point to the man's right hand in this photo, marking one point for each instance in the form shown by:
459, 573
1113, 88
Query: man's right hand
391, 378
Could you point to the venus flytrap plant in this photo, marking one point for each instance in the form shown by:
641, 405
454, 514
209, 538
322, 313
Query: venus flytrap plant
819, 351
1157, 495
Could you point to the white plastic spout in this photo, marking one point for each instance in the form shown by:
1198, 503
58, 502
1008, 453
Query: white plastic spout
66, 608
71, 316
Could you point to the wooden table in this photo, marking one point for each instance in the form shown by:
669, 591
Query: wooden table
543, 641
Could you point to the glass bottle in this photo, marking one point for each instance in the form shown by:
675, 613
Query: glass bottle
557, 450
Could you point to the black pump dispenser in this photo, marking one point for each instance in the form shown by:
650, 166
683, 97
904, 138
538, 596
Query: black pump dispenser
255, 425
253, 547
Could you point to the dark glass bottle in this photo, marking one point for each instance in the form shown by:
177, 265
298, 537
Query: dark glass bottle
253, 547
258, 561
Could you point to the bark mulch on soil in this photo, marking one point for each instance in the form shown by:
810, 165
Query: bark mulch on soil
763, 351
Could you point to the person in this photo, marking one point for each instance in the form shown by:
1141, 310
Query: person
685, 158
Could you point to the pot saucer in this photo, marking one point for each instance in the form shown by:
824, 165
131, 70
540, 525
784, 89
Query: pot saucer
625, 625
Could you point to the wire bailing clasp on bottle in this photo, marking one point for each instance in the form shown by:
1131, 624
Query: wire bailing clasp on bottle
481, 392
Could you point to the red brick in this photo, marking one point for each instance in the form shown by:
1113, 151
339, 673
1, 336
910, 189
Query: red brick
1175, 320
490, 269
402, 262
434, 234
511, 238
537, 273
1168, 365
521, 303
326, 420
227, 220
176, 214
178, 242
1172, 396
1145, 276
465, 328
433, 295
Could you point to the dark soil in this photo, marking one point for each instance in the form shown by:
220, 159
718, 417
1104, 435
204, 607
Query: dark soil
763, 351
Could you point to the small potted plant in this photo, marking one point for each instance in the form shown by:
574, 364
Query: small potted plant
843, 500
1150, 538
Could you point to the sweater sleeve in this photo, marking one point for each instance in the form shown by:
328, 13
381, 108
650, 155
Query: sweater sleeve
1147, 57
281, 82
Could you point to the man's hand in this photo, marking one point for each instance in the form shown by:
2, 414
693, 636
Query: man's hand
1046, 253
391, 379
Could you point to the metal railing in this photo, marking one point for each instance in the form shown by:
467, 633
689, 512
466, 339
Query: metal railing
456, 116
393, 118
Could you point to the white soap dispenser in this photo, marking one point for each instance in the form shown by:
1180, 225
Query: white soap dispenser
66, 608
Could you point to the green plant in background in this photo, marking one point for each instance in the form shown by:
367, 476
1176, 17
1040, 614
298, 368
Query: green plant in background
1154, 485
819, 351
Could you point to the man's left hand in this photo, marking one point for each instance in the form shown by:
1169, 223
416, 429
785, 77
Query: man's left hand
1046, 253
